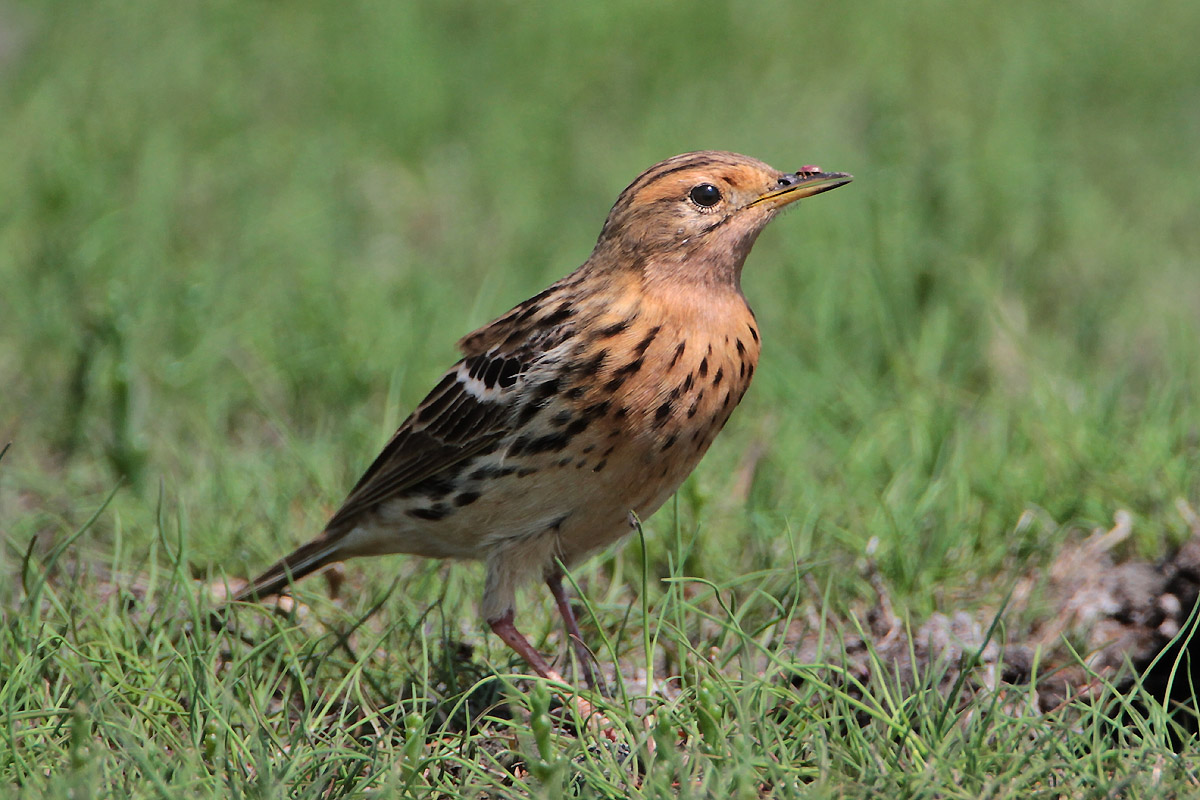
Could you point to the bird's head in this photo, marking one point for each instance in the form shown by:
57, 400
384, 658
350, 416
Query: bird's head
697, 215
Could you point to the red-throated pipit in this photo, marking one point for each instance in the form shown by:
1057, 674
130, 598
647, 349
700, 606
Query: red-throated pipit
583, 406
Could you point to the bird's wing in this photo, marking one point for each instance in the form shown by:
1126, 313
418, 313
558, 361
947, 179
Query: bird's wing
476, 404
468, 413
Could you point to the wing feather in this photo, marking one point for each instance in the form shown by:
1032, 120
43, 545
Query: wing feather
475, 405
450, 426
506, 375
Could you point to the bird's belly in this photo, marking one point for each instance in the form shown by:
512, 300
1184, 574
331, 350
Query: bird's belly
582, 499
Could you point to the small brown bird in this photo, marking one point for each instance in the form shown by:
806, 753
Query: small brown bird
585, 405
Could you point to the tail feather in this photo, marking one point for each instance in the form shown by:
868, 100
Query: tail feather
301, 562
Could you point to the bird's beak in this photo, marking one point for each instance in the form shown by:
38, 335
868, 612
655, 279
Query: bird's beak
805, 183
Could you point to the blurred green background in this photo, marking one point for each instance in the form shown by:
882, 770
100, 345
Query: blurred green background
239, 239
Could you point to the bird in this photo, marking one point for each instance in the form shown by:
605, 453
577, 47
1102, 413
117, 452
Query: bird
581, 410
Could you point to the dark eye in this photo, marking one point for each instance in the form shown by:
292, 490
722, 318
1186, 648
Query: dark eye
705, 195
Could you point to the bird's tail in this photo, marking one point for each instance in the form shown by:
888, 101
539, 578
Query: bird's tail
301, 562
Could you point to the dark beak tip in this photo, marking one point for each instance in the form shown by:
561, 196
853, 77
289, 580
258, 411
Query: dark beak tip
823, 176
793, 186
813, 174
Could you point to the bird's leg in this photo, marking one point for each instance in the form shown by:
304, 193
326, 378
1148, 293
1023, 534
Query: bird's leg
595, 681
503, 627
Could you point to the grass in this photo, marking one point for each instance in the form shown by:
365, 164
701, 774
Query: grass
239, 240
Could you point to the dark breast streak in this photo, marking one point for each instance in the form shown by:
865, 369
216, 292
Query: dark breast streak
643, 399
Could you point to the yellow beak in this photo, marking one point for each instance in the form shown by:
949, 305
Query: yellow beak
799, 185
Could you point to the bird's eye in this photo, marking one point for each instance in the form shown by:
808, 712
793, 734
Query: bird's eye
705, 195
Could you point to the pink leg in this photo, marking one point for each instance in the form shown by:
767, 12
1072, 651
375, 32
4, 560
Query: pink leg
507, 631
554, 581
